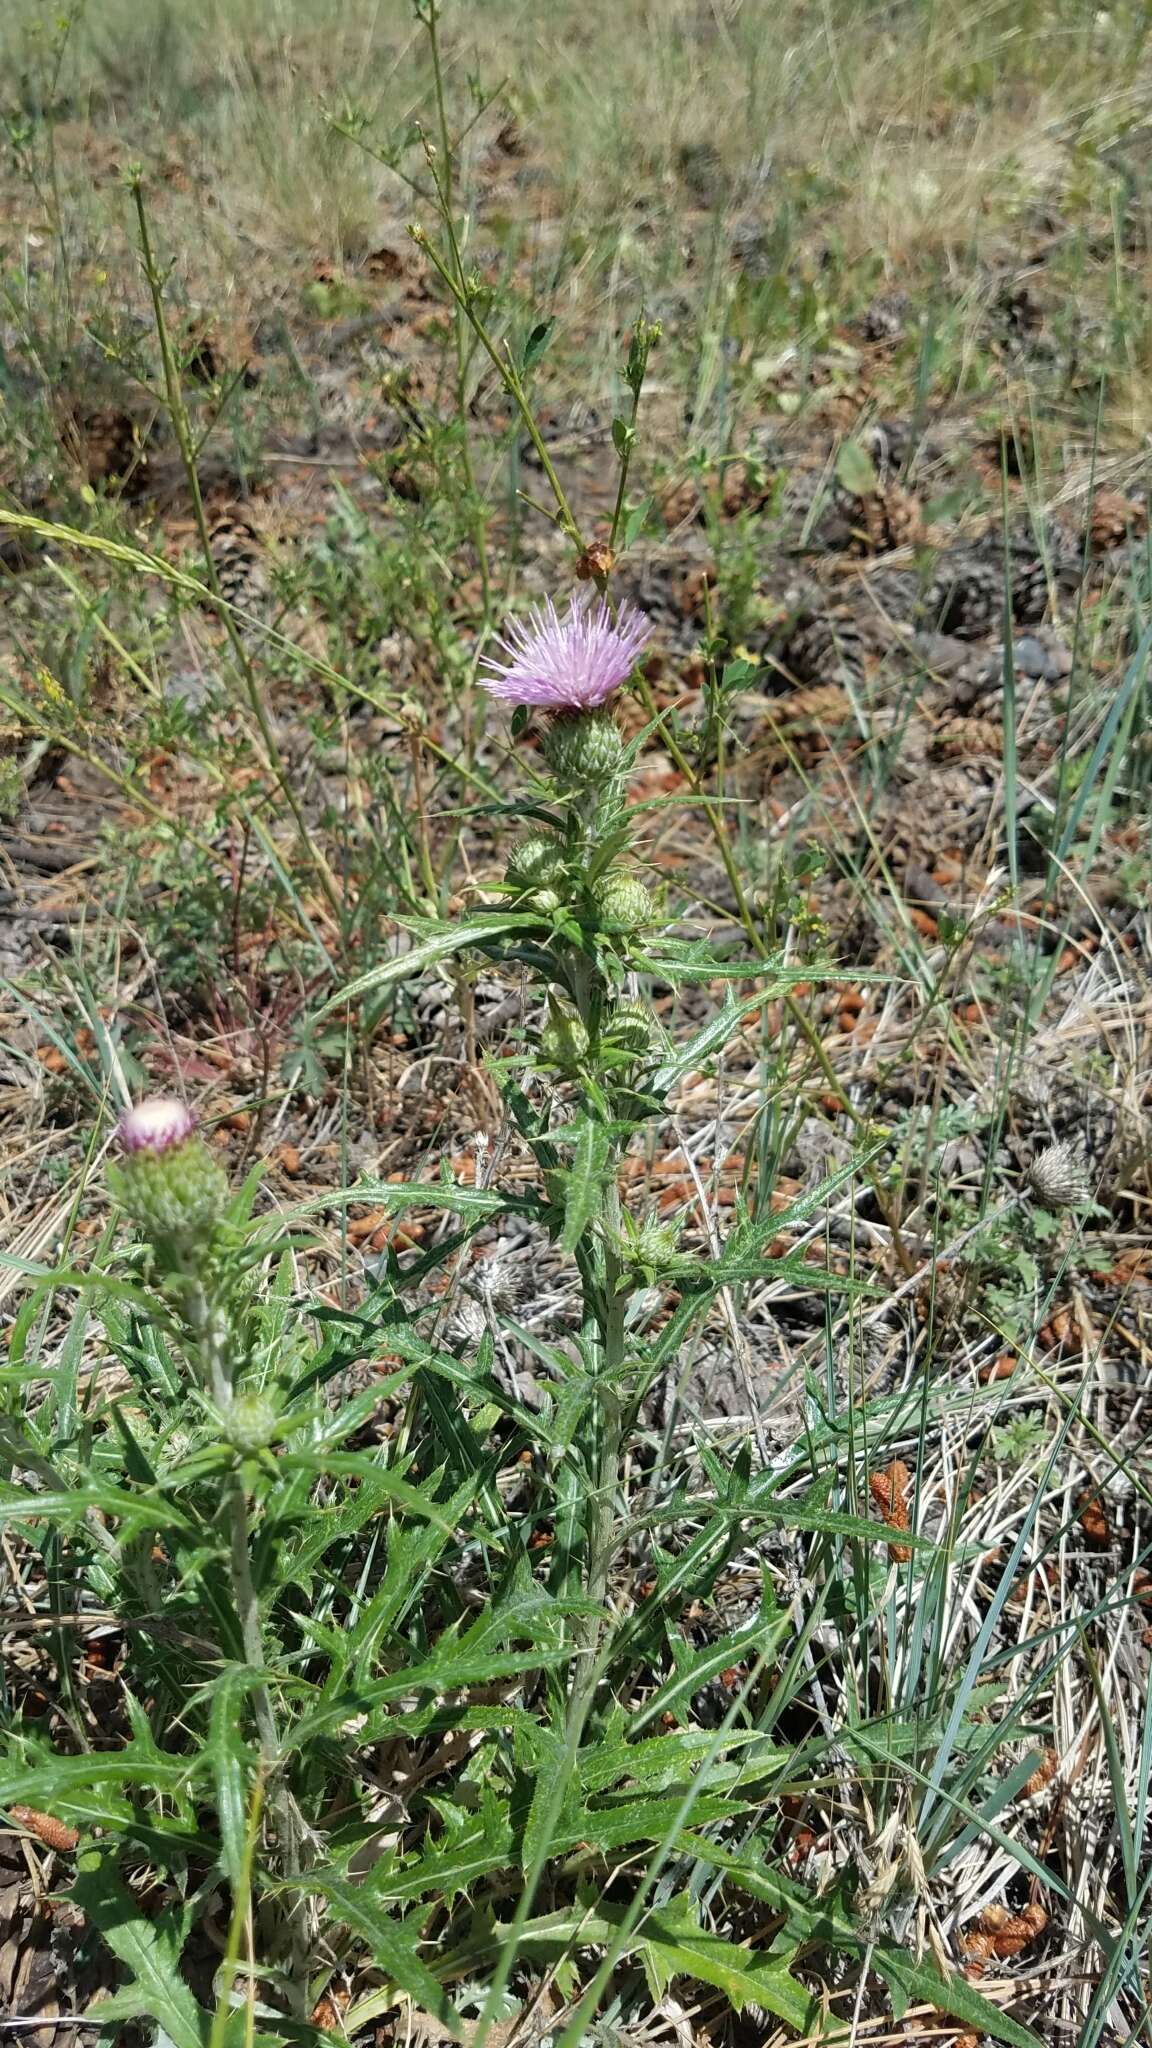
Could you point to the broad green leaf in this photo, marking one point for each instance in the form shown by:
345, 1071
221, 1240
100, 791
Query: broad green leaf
635, 520
149, 1948
536, 344
854, 470
584, 1180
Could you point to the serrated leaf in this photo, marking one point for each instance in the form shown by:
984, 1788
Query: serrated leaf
705, 1664
923, 1982
584, 1181
397, 1196
149, 1949
141, 1510
660, 1762
392, 1943
67, 1776
472, 1846
854, 470
448, 940
361, 1465
230, 1758
673, 1944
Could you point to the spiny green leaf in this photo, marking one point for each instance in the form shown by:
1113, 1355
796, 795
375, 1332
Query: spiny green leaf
673, 1944
144, 1510
230, 1758
584, 1180
923, 1982
149, 1948
445, 941
393, 1944
46, 1784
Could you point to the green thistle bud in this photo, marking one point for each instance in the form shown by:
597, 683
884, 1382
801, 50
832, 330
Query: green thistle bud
630, 1028
167, 1180
564, 1039
649, 1246
251, 1423
622, 903
584, 749
536, 863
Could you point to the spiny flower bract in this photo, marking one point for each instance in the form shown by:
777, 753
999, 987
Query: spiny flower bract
572, 663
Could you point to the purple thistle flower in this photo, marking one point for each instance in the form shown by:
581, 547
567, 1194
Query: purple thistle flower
155, 1124
568, 664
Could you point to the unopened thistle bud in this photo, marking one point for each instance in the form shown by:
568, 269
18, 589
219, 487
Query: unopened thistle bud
536, 862
630, 1028
167, 1181
648, 1247
251, 1423
564, 1039
1056, 1177
623, 904
584, 749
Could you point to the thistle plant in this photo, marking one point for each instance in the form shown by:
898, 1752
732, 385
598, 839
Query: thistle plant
371, 1692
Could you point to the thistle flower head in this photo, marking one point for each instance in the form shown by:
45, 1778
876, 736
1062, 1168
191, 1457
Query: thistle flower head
1056, 1177
155, 1124
572, 663
167, 1180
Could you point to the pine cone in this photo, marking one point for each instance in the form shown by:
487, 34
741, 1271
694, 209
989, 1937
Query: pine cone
889, 443
886, 318
237, 555
105, 444
822, 646
963, 739
680, 502
966, 594
743, 488
892, 519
